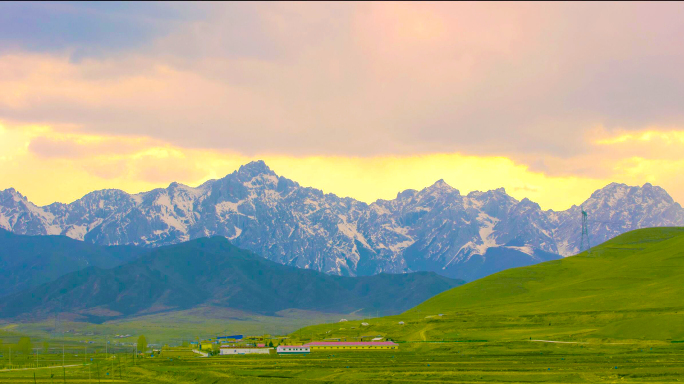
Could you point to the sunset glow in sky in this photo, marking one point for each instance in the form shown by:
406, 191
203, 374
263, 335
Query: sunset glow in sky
548, 100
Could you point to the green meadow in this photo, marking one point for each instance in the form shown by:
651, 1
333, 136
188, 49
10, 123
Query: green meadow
629, 288
614, 315
481, 362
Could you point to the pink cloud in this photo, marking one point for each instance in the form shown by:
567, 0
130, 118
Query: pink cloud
522, 80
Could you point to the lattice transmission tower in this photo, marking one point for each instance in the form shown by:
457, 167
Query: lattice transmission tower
585, 233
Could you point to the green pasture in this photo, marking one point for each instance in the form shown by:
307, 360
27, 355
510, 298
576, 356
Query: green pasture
478, 362
612, 315
629, 288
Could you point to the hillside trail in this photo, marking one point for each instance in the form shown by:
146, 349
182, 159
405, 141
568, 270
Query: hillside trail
574, 342
558, 342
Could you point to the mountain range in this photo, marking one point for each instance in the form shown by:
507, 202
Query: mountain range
435, 229
29, 261
213, 272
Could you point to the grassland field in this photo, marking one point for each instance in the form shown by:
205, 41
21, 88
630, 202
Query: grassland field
630, 288
614, 315
509, 362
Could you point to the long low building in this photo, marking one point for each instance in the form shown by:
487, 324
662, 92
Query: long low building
352, 345
227, 350
293, 349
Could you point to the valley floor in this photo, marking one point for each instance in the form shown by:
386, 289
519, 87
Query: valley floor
509, 362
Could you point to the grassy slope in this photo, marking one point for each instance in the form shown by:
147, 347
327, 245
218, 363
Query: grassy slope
639, 270
631, 287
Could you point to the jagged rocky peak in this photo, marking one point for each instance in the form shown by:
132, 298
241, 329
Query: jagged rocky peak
529, 203
105, 194
255, 173
657, 192
441, 186
434, 229
407, 194
496, 194
495, 202
255, 168
175, 187
612, 189
617, 193
13, 194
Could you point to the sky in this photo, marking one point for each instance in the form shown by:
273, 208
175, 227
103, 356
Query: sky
550, 101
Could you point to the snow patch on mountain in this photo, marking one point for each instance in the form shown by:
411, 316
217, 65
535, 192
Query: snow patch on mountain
488, 223
435, 229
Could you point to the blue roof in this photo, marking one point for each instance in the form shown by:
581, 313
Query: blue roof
230, 337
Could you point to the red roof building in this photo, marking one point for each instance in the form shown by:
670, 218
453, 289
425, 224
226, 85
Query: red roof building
352, 345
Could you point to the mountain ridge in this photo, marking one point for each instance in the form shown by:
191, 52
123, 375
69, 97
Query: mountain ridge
28, 261
212, 271
435, 229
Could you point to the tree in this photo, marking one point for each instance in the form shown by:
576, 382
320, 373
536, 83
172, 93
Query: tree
24, 345
142, 343
270, 344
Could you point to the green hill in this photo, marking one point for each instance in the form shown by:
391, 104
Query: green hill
631, 287
213, 272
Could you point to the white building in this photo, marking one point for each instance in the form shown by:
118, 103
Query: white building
293, 349
226, 350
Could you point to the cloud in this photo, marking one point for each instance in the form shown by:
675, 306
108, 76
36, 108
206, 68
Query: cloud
571, 95
86, 29
49, 166
371, 79
74, 146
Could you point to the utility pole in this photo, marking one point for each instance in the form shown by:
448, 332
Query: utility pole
62, 355
585, 232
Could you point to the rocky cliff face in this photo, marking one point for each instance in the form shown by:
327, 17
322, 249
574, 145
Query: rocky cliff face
435, 229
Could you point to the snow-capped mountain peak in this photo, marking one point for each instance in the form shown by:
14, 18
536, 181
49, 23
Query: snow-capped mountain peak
435, 229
